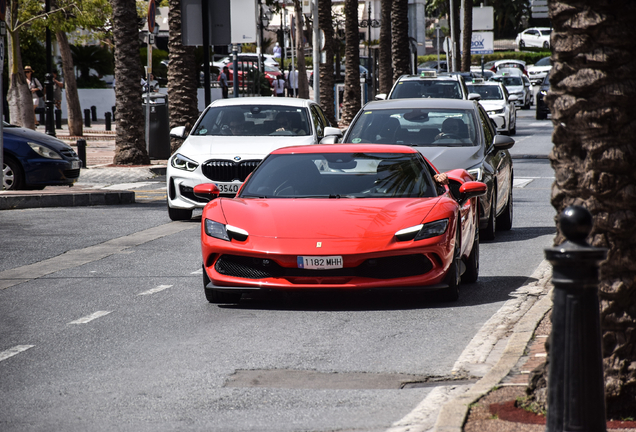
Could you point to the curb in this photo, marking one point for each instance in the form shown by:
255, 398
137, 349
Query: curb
453, 414
68, 199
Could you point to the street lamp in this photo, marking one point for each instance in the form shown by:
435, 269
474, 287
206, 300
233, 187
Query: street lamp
369, 23
265, 17
48, 78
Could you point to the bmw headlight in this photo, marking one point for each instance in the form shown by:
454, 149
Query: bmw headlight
477, 173
423, 231
181, 162
224, 232
44, 151
496, 111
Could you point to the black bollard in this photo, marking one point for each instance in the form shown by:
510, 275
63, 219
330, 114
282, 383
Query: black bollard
87, 118
94, 113
113, 109
576, 388
107, 121
81, 151
58, 118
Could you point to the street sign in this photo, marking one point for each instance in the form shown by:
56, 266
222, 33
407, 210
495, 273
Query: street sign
152, 12
482, 43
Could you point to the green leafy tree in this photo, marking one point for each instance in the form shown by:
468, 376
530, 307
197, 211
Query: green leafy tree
87, 57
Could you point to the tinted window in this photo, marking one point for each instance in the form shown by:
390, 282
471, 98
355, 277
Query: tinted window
417, 127
341, 175
487, 92
254, 120
545, 61
427, 89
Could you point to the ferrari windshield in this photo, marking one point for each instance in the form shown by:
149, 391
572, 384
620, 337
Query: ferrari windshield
254, 120
341, 175
416, 127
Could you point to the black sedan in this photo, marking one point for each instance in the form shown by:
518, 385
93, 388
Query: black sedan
33, 160
451, 134
542, 107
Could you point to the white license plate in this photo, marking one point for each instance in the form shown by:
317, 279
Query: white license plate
320, 262
229, 187
75, 164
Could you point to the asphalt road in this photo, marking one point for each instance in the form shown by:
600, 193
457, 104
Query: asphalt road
104, 326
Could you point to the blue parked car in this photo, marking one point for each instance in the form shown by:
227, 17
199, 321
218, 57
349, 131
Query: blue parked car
33, 160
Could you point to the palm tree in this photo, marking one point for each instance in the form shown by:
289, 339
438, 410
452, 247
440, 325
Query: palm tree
326, 69
130, 143
385, 75
182, 83
467, 33
87, 57
351, 98
400, 38
591, 101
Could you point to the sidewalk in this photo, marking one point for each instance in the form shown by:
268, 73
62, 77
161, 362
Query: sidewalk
99, 170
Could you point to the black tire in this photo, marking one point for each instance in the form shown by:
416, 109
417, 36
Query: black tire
472, 264
488, 233
453, 278
546, 45
176, 214
513, 131
504, 220
522, 44
215, 296
13, 175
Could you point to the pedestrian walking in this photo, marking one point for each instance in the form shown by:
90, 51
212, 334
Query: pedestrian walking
223, 81
292, 79
57, 91
279, 86
35, 88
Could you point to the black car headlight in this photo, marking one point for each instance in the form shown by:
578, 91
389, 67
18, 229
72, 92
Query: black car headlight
423, 231
44, 151
224, 232
181, 162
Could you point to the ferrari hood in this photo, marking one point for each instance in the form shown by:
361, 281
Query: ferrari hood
448, 158
336, 218
202, 148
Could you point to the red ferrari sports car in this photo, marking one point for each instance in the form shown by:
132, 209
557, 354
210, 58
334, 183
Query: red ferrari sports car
341, 216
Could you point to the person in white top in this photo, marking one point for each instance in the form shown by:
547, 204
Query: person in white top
293, 82
279, 86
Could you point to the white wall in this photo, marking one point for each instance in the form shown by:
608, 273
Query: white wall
104, 100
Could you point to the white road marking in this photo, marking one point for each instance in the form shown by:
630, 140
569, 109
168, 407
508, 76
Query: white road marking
90, 317
78, 257
13, 351
539, 124
200, 271
127, 186
156, 290
521, 182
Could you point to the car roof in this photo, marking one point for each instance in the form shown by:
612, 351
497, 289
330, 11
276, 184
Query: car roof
259, 100
421, 103
440, 77
498, 62
346, 148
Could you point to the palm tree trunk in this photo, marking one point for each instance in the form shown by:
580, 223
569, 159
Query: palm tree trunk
400, 38
303, 83
130, 143
351, 98
75, 123
467, 34
591, 101
327, 68
385, 76
18, 97
182, 83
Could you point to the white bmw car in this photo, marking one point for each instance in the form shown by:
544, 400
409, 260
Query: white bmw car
499, 105
231, 138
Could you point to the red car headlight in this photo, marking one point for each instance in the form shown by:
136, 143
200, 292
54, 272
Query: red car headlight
423, 231
224, 232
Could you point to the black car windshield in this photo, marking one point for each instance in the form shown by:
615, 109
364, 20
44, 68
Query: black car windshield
427, 88
416, 127
254, 120
341, 175
487, 92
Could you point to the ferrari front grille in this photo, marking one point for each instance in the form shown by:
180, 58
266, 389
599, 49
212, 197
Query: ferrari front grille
221, 170
376, 268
